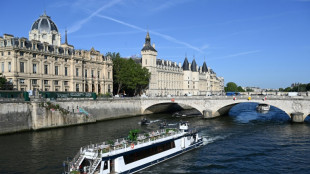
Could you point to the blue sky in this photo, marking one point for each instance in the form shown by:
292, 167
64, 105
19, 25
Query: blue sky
263, 43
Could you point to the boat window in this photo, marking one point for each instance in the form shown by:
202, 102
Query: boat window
105, 165
144, 153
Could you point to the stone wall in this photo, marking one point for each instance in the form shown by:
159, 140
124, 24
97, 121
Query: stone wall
21, 116
104, 109
14, 117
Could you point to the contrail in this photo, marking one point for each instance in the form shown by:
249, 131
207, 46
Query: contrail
80, 23
169, 38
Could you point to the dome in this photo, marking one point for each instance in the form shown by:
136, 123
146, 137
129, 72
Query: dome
44, 23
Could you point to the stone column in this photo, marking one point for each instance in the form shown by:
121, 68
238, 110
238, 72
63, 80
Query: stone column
297, 117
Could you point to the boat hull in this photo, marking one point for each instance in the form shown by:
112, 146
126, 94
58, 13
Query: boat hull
162, 159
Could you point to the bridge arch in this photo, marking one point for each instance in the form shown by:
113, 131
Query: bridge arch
158, 107
224, 110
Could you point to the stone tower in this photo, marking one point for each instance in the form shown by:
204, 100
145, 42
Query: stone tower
149, 55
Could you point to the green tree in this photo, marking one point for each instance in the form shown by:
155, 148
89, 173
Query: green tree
249, 90
113, 55
2, 81
240, 89
231, 87
4, 84
281, 89
120, 73
128, 76
308, 87
288, 89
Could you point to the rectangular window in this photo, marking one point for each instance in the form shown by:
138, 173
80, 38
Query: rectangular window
56, 58
109, 88
9, 53
34, 55
45, 57
34, 81
2, 67
21, 67
45, 82
56, 82
45, 69
34, 46
66, 71
92, 73
98, 74
1, 53
108, 75
66, 60
9, 65
65, 83
77, 72
21, 44
21, 53
76, 61
22, 81
77, 87
34, 68
56, 70
86, 73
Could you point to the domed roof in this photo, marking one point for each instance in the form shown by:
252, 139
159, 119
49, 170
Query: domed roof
194, 66
44, 23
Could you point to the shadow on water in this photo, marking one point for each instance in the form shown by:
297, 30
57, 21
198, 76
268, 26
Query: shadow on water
246, 113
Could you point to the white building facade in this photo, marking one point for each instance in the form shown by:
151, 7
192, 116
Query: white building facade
43, 63
170, 78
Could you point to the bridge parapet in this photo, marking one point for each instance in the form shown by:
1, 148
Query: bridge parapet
213, 106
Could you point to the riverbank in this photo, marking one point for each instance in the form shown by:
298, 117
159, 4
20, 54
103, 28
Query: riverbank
17, 116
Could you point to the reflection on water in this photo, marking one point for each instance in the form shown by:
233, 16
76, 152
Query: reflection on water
246, 112
244, 142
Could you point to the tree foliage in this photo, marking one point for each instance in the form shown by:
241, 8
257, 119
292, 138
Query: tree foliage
128, 76
233, 87
4, 84
2, 81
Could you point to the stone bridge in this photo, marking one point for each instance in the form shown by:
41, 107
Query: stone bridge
215, 106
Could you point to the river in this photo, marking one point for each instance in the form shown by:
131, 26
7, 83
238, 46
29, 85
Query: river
243, 142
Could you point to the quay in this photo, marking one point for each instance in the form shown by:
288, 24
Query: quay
41, 113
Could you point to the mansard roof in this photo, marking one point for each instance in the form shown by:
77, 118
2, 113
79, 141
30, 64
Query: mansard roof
185, 65
194, 66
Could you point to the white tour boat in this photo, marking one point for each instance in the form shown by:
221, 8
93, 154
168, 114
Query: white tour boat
126, 156
263, 107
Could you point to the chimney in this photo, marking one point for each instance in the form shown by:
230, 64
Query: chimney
153, 45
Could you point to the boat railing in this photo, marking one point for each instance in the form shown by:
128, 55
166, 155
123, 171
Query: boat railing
94, 150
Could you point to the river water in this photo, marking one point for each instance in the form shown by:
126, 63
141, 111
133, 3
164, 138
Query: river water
243, 142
